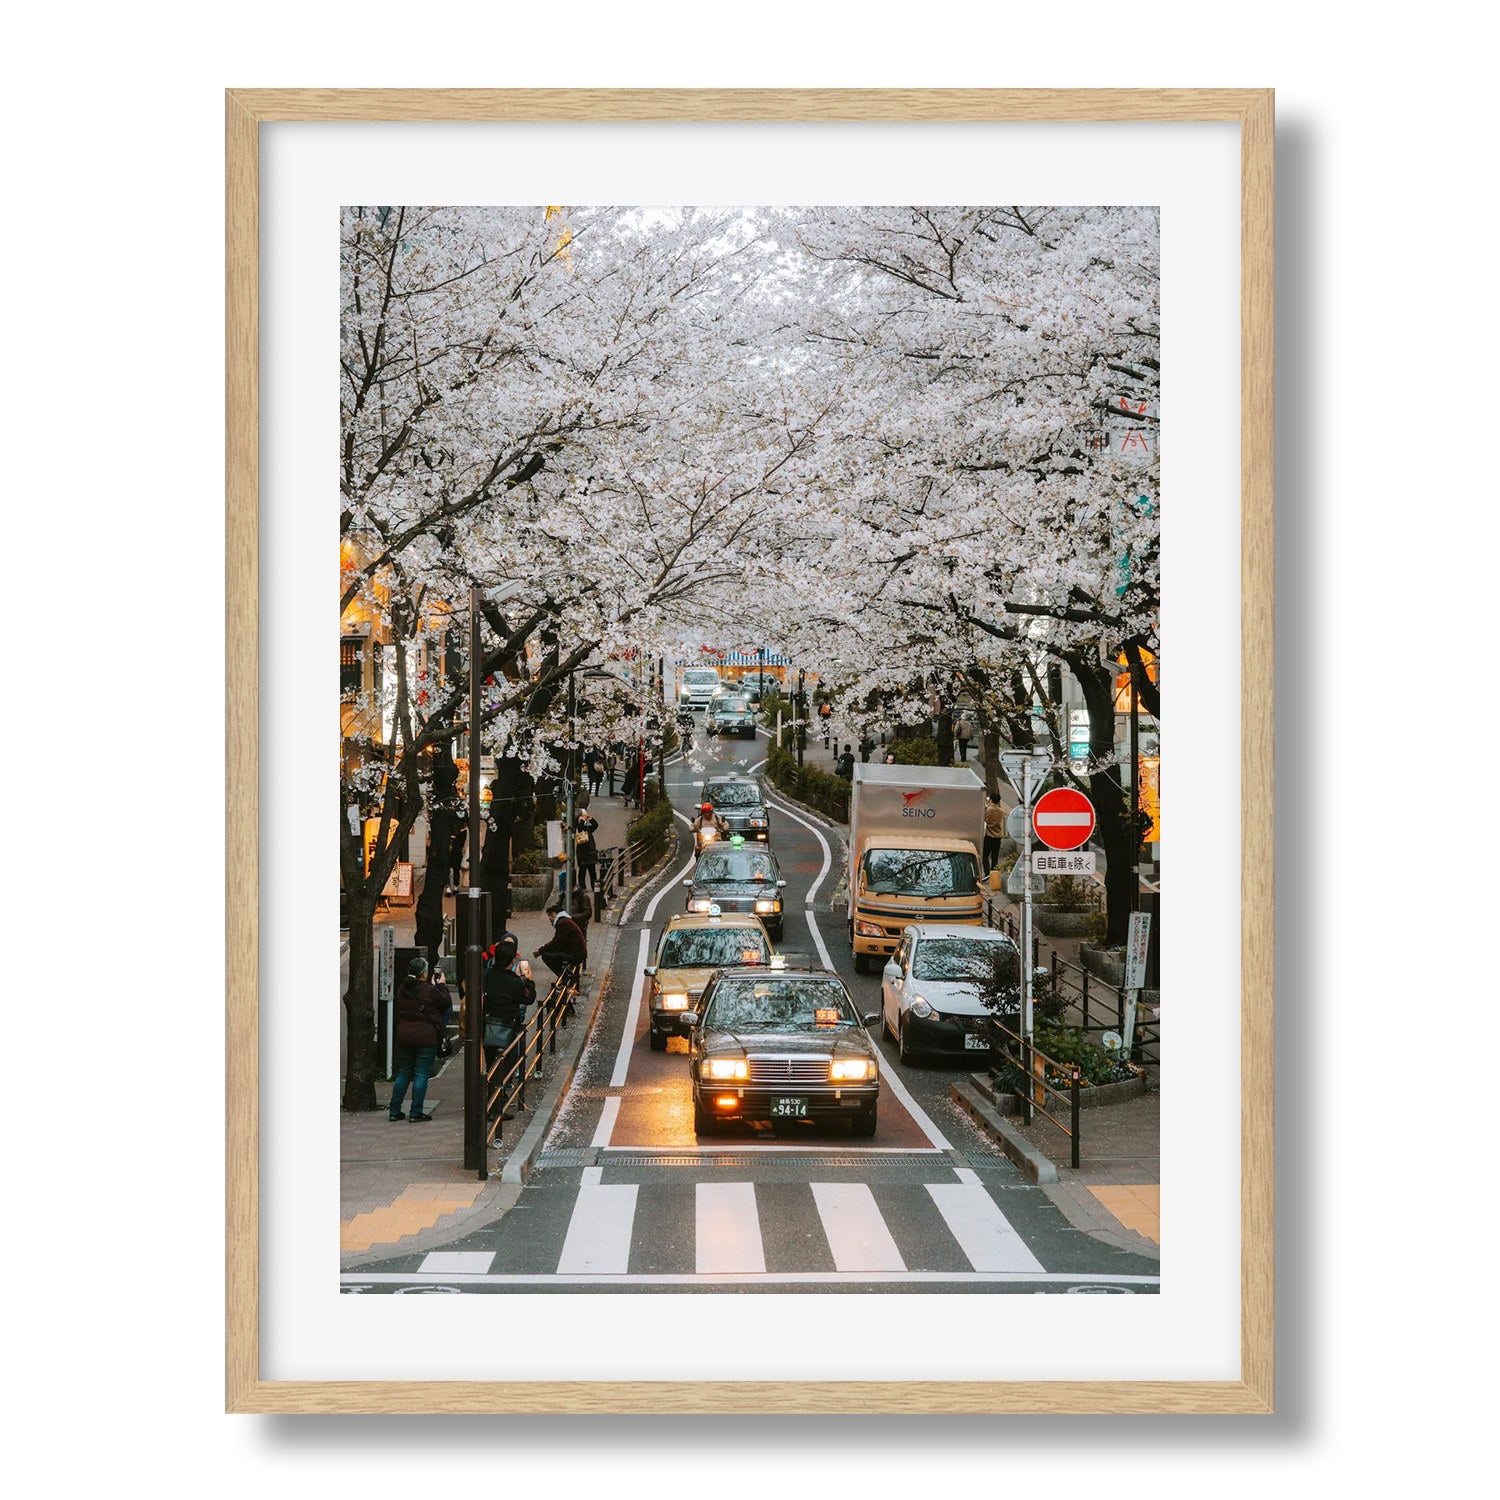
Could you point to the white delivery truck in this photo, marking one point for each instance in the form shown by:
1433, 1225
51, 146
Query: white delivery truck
914, 838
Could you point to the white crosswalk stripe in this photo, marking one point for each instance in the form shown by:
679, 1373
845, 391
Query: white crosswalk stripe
728, 1228
599, 1231
856, 1232
984, 1234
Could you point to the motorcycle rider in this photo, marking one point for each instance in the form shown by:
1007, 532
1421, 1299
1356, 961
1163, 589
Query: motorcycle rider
708, 821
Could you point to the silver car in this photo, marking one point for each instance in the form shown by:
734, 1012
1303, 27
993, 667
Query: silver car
929, 993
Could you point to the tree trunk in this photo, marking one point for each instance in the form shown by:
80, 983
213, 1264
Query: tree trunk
430, 902
945, 736
1115, 826
359, 1004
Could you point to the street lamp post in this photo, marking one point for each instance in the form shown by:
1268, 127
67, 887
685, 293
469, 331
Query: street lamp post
801, 715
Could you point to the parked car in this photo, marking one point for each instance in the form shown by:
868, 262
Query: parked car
691, 947
741, 802
781, 1044
929, 991
738, 877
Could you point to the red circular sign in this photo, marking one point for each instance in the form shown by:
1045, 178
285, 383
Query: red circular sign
1063, 818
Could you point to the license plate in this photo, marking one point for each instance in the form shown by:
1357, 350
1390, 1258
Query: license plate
975, 1043
790, 1108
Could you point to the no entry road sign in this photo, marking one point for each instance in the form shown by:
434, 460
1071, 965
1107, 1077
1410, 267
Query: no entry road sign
1063, 818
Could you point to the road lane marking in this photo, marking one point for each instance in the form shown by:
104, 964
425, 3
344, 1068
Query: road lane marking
770, 1278
632, 1014
605, 1129
984, 1234
855, 1230
465, 1262
728, 1229
599, 1232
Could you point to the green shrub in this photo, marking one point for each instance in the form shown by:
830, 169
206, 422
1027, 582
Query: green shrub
652, 827
1070, 893
818, 789
920, 750
531, 862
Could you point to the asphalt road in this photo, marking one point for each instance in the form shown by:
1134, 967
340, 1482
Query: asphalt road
626, 1198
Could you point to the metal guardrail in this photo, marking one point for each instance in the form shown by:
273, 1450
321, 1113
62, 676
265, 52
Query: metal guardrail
1097, 1005
506, 1075
1033, 1065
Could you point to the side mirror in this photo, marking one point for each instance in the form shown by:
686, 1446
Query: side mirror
687, 882
780, 883
649, 969
689, 1018
872, 1019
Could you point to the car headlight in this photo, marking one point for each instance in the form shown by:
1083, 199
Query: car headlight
757, 822
725, 1067
920, 1008
768, 906
673, 1000
699, 904
851, 1070
869, 929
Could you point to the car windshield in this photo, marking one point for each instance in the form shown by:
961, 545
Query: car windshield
713, 947
700, 678
779, 1005
733, 705
921, 872
734, 864
958, 959
734, 794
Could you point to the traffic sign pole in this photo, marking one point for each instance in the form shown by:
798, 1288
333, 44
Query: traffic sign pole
1026, 1018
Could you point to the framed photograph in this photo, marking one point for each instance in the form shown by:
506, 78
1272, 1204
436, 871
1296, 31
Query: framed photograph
688, 434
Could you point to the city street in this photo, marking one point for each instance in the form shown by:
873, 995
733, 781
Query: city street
626, 1197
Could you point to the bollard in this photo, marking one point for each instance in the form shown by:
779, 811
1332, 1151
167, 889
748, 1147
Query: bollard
1075, 1117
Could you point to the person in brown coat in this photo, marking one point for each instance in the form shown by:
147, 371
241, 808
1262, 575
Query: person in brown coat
419, 1020
566, 948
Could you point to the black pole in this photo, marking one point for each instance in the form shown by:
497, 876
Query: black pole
1135, 789
801, 715
474, 1090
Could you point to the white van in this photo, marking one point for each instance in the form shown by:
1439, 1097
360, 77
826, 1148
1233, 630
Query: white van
699, 684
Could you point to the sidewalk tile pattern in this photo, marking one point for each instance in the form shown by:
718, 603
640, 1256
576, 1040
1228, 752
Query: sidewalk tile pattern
1137, 1206
419, 1207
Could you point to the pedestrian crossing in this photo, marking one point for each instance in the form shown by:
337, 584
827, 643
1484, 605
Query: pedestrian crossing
742, 1232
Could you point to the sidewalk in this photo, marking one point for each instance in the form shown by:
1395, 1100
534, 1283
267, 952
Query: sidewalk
403, 1186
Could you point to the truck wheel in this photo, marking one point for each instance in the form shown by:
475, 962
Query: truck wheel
658, 1041
864, 1122
861, 963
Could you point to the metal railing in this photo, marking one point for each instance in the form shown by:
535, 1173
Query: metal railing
1034, 1085
1089, 1002
506, 1075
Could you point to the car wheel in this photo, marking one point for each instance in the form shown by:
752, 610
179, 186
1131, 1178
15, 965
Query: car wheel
861, 963
658, 1041
777, 933
864, 1122
904, 1051
885, 1024
703, 1122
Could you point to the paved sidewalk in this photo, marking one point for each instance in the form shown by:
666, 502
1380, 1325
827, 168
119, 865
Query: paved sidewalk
403, 1185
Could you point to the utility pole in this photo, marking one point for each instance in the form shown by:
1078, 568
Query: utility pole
801, 716
475, 1112
570, 866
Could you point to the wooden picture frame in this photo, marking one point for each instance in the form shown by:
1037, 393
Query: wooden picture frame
1252, 112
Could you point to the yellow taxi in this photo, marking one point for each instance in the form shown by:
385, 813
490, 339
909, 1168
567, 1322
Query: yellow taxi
692, 948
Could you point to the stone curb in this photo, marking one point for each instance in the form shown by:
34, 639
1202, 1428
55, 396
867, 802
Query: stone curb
1032, 1163
1089, 1216
520, 1163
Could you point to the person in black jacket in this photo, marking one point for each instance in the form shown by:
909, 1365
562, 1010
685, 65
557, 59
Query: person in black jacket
420, 1013
507, 992
566, 949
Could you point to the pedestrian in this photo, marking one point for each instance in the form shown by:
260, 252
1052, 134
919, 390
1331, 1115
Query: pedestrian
456, 857
994, 831
890, 757
866, 745
566, 950
611, 767
439, 981
825, 713
965, 734
586, 850
846, 763
594, 765
508, 990
419, 1015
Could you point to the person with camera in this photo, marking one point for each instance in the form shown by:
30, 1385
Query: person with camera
508, 990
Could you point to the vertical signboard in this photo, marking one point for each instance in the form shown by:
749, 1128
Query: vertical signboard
385, 988
1137, 944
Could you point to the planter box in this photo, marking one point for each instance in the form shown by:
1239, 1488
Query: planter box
1103, 964
531, 892
1054, 923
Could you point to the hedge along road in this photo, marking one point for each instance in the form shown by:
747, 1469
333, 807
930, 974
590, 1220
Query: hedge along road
653, 1108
